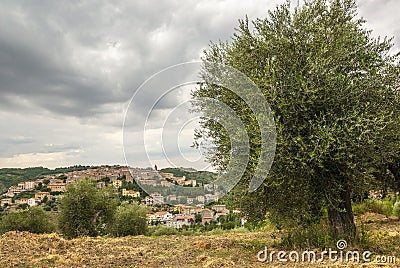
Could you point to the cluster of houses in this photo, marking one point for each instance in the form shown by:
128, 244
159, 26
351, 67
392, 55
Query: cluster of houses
170, 179
160, 183
376, 194
33, 201
163, 179
158, 199
181, 216
114, 173
52, 186
58, 183
21, 187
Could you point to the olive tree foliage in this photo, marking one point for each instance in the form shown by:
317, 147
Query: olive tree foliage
86, 210
334, 94
394, 173
33, 219
130, 219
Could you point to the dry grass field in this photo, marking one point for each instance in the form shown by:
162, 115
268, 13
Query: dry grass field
21, 249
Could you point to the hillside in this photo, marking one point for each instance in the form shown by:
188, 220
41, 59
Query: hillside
12, 176
203, 177
225, 249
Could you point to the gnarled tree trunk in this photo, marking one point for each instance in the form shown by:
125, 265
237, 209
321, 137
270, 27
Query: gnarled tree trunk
341, 219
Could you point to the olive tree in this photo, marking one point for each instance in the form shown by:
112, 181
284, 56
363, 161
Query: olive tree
33, 219
130, 219
334, 92
86, 210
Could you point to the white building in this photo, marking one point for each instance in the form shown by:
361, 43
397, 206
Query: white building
29, 185
32, 202
149, 200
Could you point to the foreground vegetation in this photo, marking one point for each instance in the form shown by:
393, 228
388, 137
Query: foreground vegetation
87, 231
237, 247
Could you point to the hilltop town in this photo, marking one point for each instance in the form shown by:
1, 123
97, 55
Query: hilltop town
165, 206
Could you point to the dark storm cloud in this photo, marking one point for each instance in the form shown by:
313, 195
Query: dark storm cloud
37, 64
69, 68
72, 57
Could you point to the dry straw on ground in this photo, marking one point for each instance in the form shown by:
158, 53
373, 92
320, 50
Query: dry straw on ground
22, 249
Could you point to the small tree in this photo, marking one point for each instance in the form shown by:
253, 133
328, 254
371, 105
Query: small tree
86, 210
130, 219
39, 186
34, 220
198, 218
38, 221
13, 221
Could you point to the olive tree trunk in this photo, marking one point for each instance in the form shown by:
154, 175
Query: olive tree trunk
341, 219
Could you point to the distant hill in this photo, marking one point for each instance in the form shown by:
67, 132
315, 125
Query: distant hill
192, 174
12, 176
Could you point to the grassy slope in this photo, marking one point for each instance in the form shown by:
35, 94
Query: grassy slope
226, 249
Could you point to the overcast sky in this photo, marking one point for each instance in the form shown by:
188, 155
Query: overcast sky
68, 69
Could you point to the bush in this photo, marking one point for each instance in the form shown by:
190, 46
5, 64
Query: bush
384, 207
375, 206
33, 219
228, 225
387, 207
313, 236
396, 209
130, 219
188, 232
86, 210
162, 230
359, 208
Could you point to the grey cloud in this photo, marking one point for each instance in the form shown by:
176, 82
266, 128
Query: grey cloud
68, 68
53, 53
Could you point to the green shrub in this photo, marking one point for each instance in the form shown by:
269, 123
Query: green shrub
188, 232
384, 206
359, 208
217, 231
130, 219
312, 236
363, 237
228, 225
396, 209
387, 207
375, 206
33, 219
162, 230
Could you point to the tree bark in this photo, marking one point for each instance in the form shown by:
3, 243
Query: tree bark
341, 219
